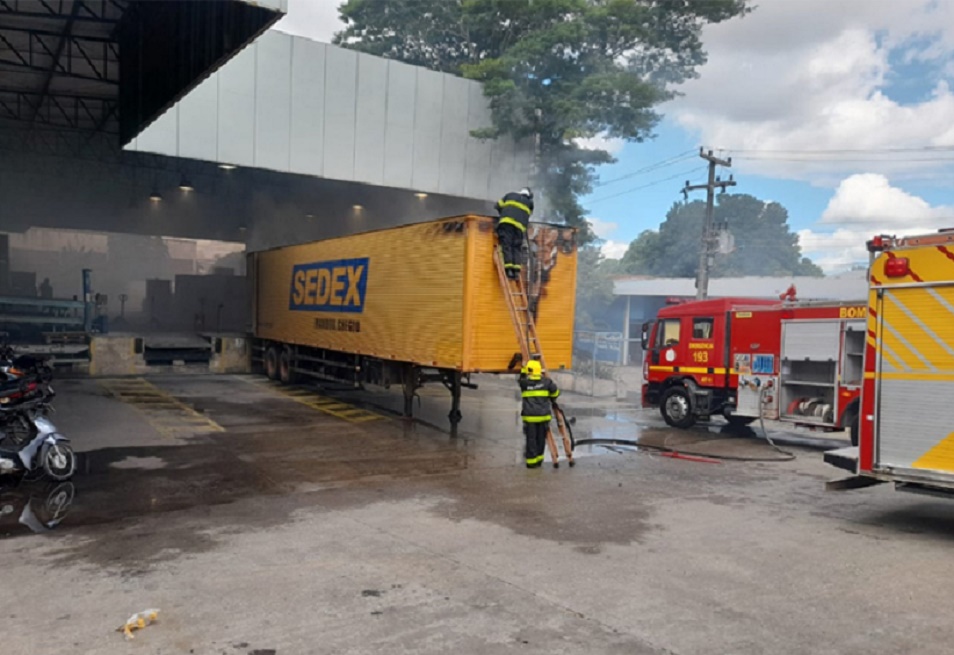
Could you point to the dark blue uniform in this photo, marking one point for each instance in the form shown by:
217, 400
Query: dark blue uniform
513, 219
538, 393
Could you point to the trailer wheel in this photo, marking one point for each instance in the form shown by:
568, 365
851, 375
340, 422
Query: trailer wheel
271, 363
676, 408
286, 374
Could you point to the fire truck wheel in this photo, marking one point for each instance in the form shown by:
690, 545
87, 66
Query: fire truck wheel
855, 427
676, 408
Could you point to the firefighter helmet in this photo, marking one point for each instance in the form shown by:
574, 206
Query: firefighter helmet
527, 192
534, 368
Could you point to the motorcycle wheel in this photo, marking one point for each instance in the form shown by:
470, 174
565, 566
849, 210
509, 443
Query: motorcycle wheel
58, 461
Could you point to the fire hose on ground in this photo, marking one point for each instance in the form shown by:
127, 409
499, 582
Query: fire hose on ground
678, 453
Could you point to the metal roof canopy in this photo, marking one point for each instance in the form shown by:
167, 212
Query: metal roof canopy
115, 65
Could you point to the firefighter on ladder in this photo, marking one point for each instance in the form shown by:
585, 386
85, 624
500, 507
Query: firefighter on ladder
538, 393
513, 218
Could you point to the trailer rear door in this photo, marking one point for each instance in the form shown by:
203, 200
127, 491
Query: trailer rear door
915, 379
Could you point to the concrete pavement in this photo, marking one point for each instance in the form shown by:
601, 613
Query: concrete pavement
291, 530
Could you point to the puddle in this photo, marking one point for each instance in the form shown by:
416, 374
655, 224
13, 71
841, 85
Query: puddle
33, 507
592, 450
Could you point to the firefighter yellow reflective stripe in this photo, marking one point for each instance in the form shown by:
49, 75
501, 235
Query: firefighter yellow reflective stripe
517, 204
516, 224
535, 460
540, 393
938, 458
537, 419
555, 394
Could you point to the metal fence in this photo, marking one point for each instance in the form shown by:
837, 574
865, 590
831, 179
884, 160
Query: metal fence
597, 359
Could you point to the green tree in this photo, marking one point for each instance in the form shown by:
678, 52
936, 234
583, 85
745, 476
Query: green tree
764, 243
594, 286
556, 70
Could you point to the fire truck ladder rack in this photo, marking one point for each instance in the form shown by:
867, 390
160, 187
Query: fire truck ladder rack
518, 304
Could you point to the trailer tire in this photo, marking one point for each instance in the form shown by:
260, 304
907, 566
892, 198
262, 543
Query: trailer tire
286, 372
271, 363
676, 407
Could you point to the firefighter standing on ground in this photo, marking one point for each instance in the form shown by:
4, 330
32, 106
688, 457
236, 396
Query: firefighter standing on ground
538, 394
513, 211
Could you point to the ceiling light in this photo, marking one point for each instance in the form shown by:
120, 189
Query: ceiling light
185, 185
420, 195
357, 208
228, 167
155, 196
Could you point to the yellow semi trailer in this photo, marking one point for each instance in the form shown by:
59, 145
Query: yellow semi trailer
408, 305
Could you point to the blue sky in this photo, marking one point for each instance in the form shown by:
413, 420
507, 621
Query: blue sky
841, 110
844, 117
622, 206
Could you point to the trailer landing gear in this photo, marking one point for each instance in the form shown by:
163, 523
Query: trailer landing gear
415, 377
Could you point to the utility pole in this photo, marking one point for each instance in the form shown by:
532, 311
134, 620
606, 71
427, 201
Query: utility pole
705, 253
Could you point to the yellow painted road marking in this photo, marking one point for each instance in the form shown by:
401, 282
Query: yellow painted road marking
166, 414
324, 404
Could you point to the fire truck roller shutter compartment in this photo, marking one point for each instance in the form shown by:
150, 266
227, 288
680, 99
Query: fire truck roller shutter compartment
810, 352
915, 374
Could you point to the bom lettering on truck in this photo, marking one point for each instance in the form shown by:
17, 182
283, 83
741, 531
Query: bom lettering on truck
330, 286
853, 312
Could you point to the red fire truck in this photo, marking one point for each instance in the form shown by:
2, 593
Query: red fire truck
743, 358
907, 436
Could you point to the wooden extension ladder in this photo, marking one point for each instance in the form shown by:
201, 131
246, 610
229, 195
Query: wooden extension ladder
518, 304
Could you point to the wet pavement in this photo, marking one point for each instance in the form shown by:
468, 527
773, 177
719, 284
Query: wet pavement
261, 519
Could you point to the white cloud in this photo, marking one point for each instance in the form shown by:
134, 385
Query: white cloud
612, 146
813, 75
602, 229
865, 205
613, 249
869, 199
605, 230
313, 19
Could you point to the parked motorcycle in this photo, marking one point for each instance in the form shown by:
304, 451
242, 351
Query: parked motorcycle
39, 506
29, 442
13, 366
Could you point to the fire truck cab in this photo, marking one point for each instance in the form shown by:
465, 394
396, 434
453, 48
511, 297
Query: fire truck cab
745, 358
906, 436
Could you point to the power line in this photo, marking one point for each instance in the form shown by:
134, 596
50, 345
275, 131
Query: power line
868, 160
840, 150
690, 172
675, 159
